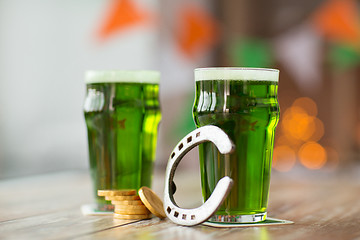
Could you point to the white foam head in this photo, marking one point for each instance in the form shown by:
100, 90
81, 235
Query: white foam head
152, 77
233, 73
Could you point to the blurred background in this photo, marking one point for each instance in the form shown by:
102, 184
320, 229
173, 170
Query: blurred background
46, 46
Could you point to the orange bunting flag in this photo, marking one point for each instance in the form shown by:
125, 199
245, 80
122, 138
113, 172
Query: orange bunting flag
121, 15
339, 20
197, 31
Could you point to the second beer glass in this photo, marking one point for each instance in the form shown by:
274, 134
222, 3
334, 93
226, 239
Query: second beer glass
122, 114
242, 102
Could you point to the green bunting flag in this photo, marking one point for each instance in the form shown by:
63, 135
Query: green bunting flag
251, 53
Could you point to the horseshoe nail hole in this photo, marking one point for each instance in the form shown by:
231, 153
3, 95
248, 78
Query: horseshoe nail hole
181, 146
192, 217
184, 216
189, 139
198, 134
172, 155
176, 214
168, 210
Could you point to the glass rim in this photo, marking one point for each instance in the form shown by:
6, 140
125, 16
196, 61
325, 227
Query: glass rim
122, 76
236, 73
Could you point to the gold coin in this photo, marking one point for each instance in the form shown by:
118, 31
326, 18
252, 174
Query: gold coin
135, 207
132, 217
152, 202
132, 211
127, 202
121, 192
121, 198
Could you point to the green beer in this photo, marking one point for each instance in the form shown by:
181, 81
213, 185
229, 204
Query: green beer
122, 114
242, 102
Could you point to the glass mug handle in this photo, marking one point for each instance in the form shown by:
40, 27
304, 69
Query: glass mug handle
191, 217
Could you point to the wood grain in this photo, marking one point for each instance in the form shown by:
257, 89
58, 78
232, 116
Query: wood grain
322, 207
31, 196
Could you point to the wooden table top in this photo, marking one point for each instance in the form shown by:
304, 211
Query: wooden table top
48, 207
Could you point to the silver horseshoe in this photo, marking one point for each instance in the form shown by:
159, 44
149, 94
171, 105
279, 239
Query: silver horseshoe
191, 217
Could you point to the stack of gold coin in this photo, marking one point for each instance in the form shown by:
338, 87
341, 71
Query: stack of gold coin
127, 204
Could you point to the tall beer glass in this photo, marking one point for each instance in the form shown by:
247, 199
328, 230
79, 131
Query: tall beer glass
122, 115
242, 102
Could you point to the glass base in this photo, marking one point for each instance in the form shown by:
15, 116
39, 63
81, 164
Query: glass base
253, 218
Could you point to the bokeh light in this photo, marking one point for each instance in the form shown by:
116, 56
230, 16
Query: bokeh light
307, 104
319, 130
298, 124
290, 123
284, 158
300, 132
312, 155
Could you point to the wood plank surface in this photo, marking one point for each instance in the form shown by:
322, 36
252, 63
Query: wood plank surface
48, 207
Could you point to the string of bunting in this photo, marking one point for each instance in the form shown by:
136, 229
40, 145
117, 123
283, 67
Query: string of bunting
339, 22
196, 30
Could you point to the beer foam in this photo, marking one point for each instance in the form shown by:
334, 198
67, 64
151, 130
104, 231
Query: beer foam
117, 76
232, 73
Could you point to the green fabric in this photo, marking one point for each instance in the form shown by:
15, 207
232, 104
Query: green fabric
251, 53
343, 57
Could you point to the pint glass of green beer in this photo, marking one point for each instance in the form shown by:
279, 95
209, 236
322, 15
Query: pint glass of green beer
242, 102
122, 114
